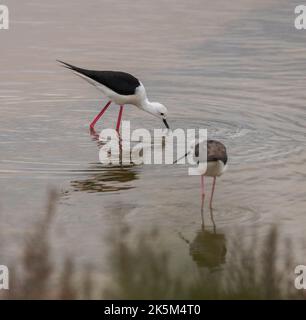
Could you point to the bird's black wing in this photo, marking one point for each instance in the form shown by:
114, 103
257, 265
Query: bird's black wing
216, 151
121, 82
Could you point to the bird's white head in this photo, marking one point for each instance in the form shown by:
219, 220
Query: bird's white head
158, 110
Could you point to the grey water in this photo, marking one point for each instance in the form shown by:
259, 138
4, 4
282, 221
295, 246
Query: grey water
236, 68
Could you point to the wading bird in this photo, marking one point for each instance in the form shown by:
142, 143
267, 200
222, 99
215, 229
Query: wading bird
216, 162
121, 88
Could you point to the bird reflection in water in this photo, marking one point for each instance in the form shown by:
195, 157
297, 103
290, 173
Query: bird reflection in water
106, 179
136, 151
123, 152
208, 248
93, 133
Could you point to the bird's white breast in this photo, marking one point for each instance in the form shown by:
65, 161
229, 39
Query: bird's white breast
214, 169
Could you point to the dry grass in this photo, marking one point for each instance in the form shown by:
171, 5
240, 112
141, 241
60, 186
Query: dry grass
142, 271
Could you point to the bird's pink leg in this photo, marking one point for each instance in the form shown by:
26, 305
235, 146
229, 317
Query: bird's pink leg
119, 119
202, 186
92, 125
212, 193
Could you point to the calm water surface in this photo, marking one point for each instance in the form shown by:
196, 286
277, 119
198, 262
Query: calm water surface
236, 68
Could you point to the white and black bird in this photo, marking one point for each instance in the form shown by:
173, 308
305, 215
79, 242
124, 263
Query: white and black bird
216, 162
121, 88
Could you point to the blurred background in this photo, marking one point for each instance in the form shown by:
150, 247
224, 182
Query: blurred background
235, 68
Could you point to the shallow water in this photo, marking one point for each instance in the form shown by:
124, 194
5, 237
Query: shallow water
234, 68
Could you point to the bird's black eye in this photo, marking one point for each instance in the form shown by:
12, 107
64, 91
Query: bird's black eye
162, 114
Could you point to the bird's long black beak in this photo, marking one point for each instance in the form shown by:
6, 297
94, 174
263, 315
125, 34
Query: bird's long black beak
166, 123
184, 156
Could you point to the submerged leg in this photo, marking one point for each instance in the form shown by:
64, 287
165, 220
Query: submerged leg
212, 193
202, 199
202, 186
119, 119
212, 219
92, 125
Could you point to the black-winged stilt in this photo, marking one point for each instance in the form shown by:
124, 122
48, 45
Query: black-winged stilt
216, 163
121, 88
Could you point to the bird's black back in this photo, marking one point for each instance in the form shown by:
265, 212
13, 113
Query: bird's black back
120, 82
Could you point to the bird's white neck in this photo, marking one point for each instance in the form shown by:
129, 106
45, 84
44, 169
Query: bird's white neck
147, 106
143, 101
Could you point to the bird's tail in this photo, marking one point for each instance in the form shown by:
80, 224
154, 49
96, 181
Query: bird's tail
70, 66
83, 73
